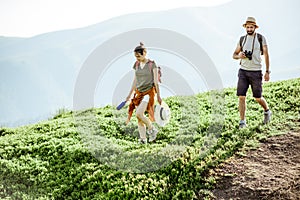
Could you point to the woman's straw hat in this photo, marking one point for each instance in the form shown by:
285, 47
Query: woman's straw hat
162, 114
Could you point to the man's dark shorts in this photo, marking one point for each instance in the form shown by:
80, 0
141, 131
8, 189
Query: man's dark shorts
246, 78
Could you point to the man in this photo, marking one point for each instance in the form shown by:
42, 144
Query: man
249, 50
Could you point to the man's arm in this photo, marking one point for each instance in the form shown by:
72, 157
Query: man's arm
238, 54
267, 62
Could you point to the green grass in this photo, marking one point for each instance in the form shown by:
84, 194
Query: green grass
92, 154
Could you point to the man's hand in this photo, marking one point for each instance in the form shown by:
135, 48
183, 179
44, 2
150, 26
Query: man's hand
242, 55
267, 76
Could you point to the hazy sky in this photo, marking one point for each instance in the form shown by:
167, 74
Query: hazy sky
26, 18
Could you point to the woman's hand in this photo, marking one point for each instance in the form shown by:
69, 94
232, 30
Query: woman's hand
128, 98
159, 99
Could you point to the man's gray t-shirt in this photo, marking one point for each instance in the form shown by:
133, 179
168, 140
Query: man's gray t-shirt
255, 63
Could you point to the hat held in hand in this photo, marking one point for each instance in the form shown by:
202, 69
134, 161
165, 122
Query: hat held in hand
162, 114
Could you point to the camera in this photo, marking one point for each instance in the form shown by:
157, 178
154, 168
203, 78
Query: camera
248, 54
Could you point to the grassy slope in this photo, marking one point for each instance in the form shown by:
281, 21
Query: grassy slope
93, 155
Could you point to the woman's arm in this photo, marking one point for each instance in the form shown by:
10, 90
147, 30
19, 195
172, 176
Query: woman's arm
133, 86
155, 77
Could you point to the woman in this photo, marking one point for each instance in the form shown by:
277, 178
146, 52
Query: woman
145, 85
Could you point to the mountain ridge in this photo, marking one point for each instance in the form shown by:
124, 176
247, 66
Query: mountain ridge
47, 65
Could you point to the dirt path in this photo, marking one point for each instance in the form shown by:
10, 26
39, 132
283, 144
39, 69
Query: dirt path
270, 172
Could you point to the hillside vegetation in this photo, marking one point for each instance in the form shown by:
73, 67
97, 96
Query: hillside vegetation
92, 154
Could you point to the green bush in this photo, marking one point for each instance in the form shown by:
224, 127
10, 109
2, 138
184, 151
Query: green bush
80, 155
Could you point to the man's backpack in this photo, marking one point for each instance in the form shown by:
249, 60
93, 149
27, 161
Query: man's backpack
150, 68
259, 37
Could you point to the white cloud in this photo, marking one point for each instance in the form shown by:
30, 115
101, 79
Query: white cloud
32, 17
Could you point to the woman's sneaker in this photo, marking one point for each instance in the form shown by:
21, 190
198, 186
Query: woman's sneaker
152, 134
242, 124
143, 141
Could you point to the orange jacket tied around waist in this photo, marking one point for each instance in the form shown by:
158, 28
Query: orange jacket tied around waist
138, 97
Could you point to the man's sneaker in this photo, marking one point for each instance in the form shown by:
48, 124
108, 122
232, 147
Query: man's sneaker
267, 116
242, 124
143, 141
152, 134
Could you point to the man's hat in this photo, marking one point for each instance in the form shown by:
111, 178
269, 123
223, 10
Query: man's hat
162, 114
250, 20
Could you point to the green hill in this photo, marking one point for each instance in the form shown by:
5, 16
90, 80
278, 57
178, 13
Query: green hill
92, 154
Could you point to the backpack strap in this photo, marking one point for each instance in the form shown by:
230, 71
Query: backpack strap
259, 37
150, 65
136, 65
242, 38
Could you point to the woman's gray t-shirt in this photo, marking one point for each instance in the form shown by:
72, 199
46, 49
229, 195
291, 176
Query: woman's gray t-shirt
144, 76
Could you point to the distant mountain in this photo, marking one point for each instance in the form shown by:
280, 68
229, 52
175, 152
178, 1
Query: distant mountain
38, 74
6, 41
